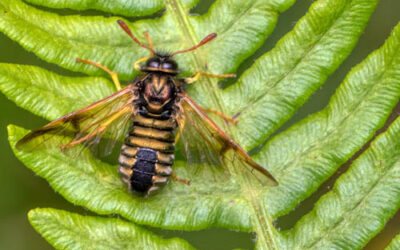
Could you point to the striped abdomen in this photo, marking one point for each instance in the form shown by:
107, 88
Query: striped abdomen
148, 153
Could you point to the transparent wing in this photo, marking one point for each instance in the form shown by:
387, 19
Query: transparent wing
107, 118
205, 142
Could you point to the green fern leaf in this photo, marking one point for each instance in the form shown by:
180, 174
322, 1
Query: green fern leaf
120, 7
66, 230
265, 96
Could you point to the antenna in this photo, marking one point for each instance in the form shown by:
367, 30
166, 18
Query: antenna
129, 32
201, 43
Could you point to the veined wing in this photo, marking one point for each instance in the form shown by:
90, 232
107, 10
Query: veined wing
109, 116
204, 141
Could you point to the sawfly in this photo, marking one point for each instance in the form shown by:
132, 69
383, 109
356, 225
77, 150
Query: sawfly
153, 112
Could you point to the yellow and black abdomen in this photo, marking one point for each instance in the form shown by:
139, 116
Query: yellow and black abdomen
146, 158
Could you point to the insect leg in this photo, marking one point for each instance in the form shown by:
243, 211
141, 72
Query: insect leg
222, 115
176, 178
196, 77
146, 34
137, 63
114, 76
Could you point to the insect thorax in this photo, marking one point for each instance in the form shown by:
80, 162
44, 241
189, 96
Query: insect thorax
158, 92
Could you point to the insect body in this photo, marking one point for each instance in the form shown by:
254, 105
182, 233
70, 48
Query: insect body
148, 111
147, 155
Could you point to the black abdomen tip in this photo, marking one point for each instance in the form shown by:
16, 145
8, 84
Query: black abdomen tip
143, 169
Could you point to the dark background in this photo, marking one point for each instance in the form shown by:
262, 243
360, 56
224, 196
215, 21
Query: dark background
21, 190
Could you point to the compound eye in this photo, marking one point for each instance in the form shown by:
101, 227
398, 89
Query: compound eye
169, 65
153, 63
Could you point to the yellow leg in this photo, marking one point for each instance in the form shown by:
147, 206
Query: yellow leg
222, 115
137, 63
196, 77
187, 182
114, 76
192, 79
146, 34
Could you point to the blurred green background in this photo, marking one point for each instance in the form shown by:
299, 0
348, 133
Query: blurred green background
21, 190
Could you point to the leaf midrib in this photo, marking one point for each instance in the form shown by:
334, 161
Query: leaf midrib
88, 237
176, 7
262, 227
235, 22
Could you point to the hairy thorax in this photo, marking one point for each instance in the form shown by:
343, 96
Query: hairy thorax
158, 92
